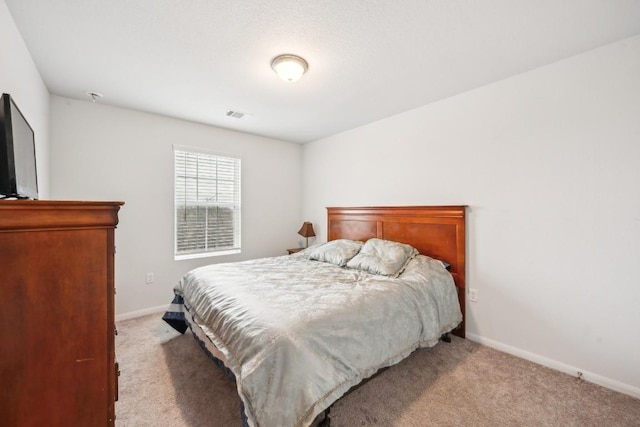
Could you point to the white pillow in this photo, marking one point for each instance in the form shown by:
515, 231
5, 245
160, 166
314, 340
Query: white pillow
383, 257
337, 252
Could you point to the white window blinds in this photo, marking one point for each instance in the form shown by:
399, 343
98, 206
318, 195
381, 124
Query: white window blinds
207, 204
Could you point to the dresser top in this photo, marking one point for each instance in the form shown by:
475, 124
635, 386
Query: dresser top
50, 214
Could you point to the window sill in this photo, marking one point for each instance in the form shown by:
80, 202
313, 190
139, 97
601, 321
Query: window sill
207, 254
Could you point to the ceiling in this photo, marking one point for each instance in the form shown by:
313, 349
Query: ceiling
198, 59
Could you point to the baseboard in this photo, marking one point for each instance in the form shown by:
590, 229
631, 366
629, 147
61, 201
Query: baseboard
558, 366
140, 313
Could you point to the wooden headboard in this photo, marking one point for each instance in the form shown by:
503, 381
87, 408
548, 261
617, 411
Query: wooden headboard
435, 231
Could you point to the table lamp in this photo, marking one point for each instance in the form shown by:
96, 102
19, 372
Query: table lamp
306, 231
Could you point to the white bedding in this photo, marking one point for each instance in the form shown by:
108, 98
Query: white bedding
297, 334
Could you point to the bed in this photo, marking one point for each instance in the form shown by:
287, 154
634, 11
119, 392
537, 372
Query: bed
296, 332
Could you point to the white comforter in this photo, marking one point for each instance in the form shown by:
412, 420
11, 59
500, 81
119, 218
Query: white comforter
298, 334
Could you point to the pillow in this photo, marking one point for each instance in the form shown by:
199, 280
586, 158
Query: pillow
445, 264
383, 257
337, 252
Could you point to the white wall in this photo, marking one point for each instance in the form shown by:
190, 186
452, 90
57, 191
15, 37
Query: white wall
20, 78
549, 163
100, 152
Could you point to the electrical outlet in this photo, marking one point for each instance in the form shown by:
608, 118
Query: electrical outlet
473, 295
149, 277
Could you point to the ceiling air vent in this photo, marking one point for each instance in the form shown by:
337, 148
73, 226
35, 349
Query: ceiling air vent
235, 114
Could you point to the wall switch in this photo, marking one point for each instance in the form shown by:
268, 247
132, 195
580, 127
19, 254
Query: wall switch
149, 277
473, 295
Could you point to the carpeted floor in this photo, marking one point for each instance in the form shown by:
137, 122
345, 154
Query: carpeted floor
166, 380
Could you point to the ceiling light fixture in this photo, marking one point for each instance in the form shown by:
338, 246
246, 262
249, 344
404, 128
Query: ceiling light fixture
289, 67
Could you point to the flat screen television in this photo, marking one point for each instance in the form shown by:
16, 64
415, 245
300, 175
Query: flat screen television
18, 177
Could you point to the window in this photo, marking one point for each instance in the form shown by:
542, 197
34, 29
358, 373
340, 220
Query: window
207, 204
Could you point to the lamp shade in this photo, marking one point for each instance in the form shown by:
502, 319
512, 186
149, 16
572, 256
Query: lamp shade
306, 230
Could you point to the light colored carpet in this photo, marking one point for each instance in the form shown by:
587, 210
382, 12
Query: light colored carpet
167, 380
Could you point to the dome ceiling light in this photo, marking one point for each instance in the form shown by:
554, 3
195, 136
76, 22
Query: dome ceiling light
289, 67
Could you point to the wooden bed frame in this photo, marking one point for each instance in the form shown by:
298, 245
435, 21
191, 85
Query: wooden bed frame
435, 231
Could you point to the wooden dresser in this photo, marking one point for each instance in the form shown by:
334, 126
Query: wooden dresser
57, 356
